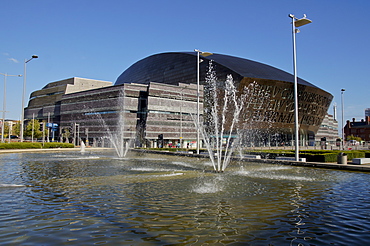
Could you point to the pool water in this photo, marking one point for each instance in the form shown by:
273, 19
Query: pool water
94, 198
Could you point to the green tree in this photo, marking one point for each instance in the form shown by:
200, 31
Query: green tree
65, 134
6, 130
33, 125
352, 137
17, 129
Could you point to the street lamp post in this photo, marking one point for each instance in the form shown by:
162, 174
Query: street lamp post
296, 23
342, 102
24, 94
4, 104
198, 93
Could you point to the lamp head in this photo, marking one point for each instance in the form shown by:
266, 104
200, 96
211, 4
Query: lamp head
206, 54
302, 22
35, 56
342, 90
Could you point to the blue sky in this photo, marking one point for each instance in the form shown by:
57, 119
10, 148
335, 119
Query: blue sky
100, 39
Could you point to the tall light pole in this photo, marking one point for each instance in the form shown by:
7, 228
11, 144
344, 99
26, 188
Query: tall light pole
4, 104
342, 102
24, 93
296, 23
198, 93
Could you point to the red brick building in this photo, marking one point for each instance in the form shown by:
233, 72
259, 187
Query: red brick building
358, 128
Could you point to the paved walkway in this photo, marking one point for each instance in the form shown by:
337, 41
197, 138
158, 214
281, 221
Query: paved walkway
4, 151
349, 166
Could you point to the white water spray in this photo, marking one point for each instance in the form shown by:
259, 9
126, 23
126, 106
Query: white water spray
220, 134
224, 132
83, 147
116, 136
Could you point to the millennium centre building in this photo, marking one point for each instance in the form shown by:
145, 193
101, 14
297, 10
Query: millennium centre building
153, 102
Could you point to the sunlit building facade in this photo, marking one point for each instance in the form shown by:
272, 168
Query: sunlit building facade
273, 118
159, 98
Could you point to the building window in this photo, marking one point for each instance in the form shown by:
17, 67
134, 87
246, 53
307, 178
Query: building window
103, 112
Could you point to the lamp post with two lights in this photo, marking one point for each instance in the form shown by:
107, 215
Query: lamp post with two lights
296, 23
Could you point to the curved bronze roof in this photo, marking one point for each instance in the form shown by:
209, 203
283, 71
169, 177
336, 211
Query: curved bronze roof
158, 68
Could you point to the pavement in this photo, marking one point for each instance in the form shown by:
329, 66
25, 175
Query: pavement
350, 166
6, 151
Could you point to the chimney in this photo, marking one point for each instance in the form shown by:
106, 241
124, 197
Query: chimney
367, 119
348, 124
353, 119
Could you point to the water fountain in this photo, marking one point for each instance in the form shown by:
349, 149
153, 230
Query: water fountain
117, 136
83, 147
224, 131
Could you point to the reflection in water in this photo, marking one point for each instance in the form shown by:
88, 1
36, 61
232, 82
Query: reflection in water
161, 200
297, 215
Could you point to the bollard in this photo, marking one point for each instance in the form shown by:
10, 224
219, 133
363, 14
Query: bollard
342, 158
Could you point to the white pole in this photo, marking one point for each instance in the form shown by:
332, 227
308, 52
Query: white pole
24, 94
198, 121
342, 90
296, 124
296, 23
33, 125
10, 130
48, 127
4, 102
74, 133
43, 133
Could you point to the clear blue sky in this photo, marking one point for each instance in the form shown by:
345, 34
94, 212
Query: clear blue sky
100, 39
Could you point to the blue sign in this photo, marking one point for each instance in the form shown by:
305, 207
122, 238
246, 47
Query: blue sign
52, 125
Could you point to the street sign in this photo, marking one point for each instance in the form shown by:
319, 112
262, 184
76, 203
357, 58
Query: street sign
52, 125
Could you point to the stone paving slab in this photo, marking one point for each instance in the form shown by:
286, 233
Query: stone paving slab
349, 166
5, 151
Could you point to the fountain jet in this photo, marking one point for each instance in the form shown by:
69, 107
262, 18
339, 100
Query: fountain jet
223, 131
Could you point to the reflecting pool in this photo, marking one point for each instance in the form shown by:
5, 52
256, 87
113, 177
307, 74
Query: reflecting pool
70, 198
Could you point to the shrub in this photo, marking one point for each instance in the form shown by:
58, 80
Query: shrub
57, 145
354, 154
171, 149
320, 156
20, 145
312, 155
271, 154
36, 145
